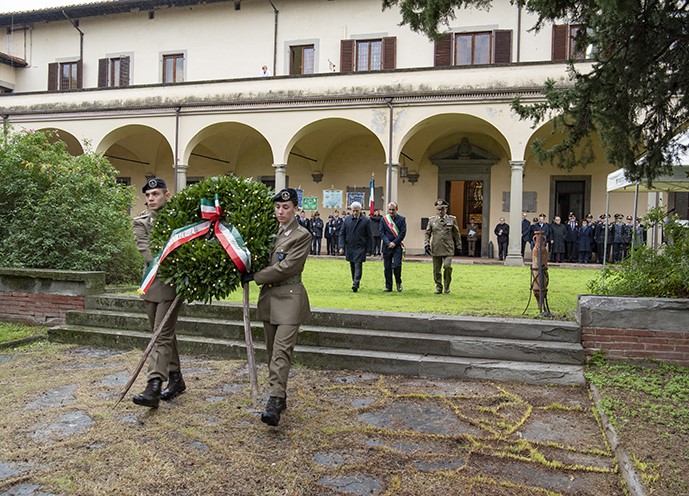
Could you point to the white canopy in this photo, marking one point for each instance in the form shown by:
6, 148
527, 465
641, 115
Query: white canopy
677, 181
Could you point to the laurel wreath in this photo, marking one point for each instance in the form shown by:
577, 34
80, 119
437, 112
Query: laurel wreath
201, 270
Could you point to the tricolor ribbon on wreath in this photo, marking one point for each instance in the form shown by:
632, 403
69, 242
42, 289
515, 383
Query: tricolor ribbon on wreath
230, 239
387, 218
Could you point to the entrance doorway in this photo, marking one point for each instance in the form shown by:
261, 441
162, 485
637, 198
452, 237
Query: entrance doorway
466, 203
570, 196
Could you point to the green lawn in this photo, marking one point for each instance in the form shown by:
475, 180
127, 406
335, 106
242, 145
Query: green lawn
10, 331
482, 290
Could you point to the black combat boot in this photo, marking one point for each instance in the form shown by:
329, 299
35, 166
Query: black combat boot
150, 397
274, 407
438, 289
175, 386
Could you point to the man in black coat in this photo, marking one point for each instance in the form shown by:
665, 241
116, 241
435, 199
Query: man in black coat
526, 225
571, 238
356, 241
502, 231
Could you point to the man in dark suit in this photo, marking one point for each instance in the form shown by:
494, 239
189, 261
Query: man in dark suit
393, 229
283, 303
356, 242
502, 232
163, 362
525, 231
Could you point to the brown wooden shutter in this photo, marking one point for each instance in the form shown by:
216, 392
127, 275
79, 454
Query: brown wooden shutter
102, 73
124, 71
502, 47
390, 52
560, 33
347, 55
443, 51
80, 74
53, 69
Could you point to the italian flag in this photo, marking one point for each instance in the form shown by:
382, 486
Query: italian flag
372, 196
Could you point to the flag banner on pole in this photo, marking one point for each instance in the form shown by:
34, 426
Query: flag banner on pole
230, 239
372, 197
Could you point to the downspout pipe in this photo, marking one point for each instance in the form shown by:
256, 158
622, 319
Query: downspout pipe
388, 174
275, 37
81, 35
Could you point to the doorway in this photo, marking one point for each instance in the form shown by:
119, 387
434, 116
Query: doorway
466, 201
570, 196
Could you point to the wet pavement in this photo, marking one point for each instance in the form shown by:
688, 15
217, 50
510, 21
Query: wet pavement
344, 433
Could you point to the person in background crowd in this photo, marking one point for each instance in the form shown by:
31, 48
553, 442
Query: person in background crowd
502, 232
330, 236
316, 233
592, 225
375, 219
472, 237
558, 233
540, 224
356, 242
525, 231
584, 242
599, 231
571, 238
628, 235
618, 237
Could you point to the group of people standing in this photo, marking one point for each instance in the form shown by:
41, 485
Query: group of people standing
584, 241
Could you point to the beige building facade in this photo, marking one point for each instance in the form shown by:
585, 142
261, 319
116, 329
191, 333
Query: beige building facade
174, 89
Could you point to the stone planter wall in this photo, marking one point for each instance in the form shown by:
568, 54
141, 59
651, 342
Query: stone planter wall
41, 296
635, 328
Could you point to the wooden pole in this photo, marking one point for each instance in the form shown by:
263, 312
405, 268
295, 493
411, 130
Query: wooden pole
251, 361
175, 303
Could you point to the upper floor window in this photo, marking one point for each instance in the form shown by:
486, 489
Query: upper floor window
564, 43
474, 48
64, 76
302, 59
368, 55
173, 68
113, 72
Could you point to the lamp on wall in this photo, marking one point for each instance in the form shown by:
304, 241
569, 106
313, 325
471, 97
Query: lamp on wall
404, 171
412, 177
317, 176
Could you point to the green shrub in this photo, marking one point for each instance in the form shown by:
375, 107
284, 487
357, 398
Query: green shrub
63, 212
652, 273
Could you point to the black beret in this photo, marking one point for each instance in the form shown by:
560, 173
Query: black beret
154, 183
629, 217
285, 195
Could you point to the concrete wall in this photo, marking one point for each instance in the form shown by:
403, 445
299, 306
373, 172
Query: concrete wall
41, 296
629, 328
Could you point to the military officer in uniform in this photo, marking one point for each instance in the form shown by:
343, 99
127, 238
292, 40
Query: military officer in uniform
441, 235
283, 303
163, 362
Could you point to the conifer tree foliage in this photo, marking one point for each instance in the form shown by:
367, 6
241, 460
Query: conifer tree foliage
201, 270
634, 92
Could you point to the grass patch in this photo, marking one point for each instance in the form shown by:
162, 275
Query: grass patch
10, 331
480, 290
649, 407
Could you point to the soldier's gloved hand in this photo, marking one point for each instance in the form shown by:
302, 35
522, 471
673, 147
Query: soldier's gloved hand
427, 250
247, 277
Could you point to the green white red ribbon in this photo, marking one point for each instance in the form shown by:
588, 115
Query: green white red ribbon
393, 227
230, 239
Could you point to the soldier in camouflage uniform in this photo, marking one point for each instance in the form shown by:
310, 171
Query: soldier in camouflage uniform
442, 233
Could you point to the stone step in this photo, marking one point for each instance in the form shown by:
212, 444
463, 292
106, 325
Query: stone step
358, 339
339, 358
528, 329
